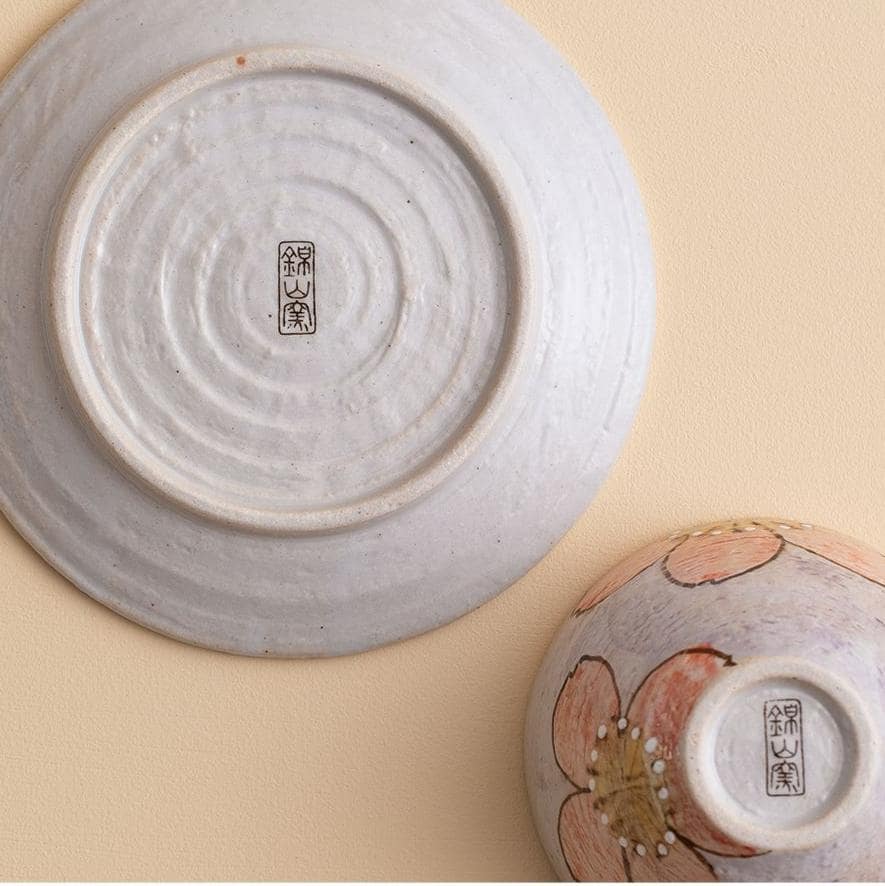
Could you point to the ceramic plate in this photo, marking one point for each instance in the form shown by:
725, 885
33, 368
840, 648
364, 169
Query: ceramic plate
321, 321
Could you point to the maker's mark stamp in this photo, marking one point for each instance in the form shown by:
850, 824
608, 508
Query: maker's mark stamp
784, 748
297, 288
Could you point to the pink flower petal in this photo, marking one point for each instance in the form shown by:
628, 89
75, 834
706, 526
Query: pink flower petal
681, 864
588, 846
626, 571
840, 550
588, 700
715, 558
661, 708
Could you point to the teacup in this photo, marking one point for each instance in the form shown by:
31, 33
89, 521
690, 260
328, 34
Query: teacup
714, 709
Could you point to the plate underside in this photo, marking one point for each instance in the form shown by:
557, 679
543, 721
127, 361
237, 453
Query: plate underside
319, 327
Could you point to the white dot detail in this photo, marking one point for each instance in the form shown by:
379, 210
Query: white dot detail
664, 794
663, 851
635, 733
651, 745
623, 842
622, 724
604, 818
658, 767
670, 837
594, 755
641, 850
602, 731
591, 785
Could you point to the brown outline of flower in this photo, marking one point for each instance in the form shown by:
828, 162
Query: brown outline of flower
720, 552
631, 815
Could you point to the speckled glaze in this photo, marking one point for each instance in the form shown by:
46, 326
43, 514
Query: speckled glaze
321, 320
714, 709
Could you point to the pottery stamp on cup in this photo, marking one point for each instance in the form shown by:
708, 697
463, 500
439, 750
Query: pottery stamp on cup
784, 748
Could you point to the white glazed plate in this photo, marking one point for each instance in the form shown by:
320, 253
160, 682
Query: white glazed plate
321, 321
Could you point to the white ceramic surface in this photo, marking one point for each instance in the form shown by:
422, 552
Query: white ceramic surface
715, 710
321, 321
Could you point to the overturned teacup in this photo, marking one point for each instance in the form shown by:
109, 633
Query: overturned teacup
714, 709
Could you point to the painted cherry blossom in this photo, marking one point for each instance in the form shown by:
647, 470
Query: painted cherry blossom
718, 553
631, 817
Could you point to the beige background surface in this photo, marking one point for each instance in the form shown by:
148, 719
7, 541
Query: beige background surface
755, 130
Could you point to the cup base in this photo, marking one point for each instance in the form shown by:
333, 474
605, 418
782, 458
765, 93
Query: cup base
780, 754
